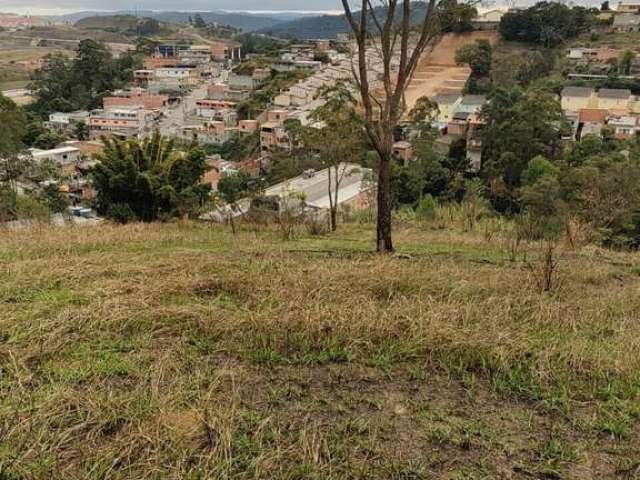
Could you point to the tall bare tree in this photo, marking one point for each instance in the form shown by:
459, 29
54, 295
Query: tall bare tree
391, 34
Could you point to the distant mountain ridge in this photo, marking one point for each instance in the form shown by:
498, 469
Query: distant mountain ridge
248, 22
329, 26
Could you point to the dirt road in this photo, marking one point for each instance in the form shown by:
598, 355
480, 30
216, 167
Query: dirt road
437, 71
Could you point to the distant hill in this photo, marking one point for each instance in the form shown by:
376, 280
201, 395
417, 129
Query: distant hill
248, 22
324, 26
127, 24
117, 22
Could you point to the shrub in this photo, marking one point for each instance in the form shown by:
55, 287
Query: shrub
426, 209
121, 213
28, 208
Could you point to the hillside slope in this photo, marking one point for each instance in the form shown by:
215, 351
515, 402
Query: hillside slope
182, 351
246, 21
329, 26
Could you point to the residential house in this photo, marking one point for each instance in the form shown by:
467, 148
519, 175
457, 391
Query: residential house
61, 156
403, 152
593, 54
471, 103
447, 104
283, 65
226, 50
614, 99
209, 108
573, 99
247, 126
273, 136
178, 73
624, 126
626, 22
591, 121
248, 82
221, 91
196, 54
142, 77
125, 122
628, 7
135, 98
212, 132
489, 20
459, 124
63, 121
170, 50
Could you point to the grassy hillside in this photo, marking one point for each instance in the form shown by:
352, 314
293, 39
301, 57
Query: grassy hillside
245, 21
181, 351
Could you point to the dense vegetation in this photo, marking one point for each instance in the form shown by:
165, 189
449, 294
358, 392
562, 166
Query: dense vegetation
64, 84
127, 24
149, 180
546, 23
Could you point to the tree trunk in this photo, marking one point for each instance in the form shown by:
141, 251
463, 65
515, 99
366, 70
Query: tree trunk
334, 218
383, 228
232, 222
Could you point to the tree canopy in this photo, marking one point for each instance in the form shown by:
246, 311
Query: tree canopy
66, 85
546, 23
149, 180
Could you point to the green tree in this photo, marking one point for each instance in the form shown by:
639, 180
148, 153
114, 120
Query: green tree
336, 136
231, 188
64, 84
519, 126
477, 55
198, 21
147, 180
48, 139
537, 168
625, 61
546, 23
456, 17
53, 199
12, 127
81, 131
321, 56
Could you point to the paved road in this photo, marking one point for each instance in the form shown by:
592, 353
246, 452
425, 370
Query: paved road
175, 117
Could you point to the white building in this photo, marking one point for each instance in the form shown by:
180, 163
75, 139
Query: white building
61, 156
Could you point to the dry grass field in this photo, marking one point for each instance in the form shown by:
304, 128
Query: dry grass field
18, 60
437, 71
180, 351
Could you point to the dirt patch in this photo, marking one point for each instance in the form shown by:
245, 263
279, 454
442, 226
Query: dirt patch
437, 71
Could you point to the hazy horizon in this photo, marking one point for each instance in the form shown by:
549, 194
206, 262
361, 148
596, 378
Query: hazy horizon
61, 7
54, 7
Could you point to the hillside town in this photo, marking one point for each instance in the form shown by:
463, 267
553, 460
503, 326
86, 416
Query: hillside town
206, 94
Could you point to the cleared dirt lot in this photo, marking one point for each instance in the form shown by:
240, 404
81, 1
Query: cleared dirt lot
438, 72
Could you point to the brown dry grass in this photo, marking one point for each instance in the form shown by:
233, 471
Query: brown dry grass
181, 351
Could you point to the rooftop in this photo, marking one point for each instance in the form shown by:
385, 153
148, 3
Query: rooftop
614, 93
474, 99
54, 151
593, 115
576, 92
626, 19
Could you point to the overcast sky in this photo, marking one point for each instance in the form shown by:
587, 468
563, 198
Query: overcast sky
66, 6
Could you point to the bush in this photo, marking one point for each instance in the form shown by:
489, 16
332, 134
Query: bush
8, 199
29, 208
121, 213
426, 209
